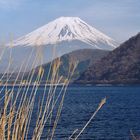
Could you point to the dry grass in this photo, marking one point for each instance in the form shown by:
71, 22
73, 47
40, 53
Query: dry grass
17, 107
16, 115
133, 136
72, 137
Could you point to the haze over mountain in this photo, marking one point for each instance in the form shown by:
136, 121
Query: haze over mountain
122, 65
84, 57
61, 36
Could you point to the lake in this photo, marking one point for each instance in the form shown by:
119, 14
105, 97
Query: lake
118, 116
114, 121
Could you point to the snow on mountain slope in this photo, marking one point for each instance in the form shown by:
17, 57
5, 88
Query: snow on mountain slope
67, 29
62, 36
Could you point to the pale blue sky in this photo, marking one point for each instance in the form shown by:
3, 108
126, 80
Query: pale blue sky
119, 19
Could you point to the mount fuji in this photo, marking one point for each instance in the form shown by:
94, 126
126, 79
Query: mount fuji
64, 35
67, 29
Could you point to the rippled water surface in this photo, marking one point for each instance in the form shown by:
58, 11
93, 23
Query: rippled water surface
114, 121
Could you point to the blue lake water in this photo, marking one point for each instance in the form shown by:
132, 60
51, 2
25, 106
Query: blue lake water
114, 121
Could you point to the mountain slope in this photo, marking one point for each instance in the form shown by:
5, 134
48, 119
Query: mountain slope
120, 66
67, 29
85, 58
59, 37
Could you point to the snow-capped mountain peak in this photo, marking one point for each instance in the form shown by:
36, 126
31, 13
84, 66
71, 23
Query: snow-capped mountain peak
66, 29
62, 36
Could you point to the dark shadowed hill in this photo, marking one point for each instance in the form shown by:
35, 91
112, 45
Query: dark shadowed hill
85, 58
120, 66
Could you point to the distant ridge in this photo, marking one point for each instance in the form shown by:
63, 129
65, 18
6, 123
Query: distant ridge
120, 66
84, 57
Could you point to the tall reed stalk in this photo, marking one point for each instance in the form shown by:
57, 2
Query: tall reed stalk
17, 106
